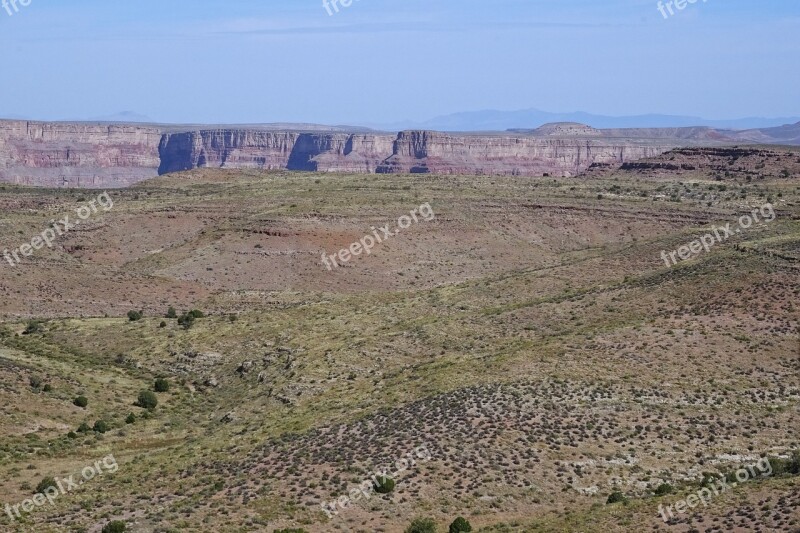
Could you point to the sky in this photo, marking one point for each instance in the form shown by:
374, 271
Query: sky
381, 61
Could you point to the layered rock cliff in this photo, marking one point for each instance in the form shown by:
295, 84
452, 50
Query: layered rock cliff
103, 155
321, 152
440, 153
78, 155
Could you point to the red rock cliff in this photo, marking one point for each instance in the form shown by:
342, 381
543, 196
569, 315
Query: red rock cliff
103, 155
77, 154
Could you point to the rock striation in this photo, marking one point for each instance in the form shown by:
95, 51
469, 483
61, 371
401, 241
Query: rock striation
118, 155
77, 154
407, 152
441, 153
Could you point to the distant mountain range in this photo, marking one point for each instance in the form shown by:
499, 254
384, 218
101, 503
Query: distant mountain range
493, 120
516, 121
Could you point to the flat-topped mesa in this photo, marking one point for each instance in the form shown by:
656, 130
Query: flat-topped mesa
504, 154
567, 129
242, 148
110, 155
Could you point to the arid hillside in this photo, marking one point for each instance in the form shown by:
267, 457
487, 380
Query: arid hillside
526, 346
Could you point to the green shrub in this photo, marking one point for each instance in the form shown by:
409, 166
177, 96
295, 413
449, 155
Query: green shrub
35, 382
147, 399
794, 463
47, 387
161, 385
101, 426
171, 313
709, 480
664, 489
616, 497
422, 525
790, 466
384, 485
84, 428
45, 484
460, 525
131, 419
81, 401
186, 320
34, 326
72, 435
135, 316
163, 324
117, 526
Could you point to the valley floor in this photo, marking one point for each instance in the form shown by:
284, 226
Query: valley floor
529, 338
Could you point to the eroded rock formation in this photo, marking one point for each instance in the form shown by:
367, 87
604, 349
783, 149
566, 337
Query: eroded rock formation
109, 155
79, 155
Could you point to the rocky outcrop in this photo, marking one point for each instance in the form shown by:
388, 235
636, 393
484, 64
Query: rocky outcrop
109, 155
441, 153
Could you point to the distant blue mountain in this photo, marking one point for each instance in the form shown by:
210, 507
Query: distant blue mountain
123, 116
492, 120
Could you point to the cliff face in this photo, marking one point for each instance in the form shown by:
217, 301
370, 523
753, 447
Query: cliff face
361, 153
440, 153
226, 149
78, 155
102, 155
322, 152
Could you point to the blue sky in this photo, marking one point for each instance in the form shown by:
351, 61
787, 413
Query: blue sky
246, 61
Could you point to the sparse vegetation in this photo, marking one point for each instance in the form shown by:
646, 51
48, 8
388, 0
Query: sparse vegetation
616, 497
384, 485
45, 484
187, 319
34, 326
422, 525
663, 489
147, 400
548, 339
117, 526
161, 385
460, 525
